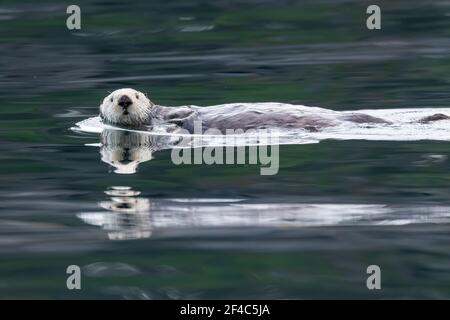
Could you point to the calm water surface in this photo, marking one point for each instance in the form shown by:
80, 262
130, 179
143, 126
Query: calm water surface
198, 231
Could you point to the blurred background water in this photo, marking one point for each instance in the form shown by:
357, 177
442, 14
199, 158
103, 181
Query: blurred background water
198, 231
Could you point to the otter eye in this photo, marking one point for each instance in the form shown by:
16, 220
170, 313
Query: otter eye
111, 99
137, 96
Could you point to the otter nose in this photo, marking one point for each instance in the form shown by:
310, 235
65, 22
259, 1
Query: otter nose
124, 101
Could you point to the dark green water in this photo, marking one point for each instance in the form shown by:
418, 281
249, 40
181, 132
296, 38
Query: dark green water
337, 206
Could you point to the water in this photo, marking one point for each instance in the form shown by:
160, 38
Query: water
198, 231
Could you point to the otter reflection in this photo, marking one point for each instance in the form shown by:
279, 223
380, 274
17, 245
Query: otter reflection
125, 150
127, 215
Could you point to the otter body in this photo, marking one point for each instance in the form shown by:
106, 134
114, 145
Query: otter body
257, 116
131, 108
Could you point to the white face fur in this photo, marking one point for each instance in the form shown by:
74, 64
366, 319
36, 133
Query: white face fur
127, 107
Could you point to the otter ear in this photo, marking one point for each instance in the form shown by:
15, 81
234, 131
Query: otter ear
146, 95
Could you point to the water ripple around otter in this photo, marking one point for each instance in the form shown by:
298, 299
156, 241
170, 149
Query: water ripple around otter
405, 127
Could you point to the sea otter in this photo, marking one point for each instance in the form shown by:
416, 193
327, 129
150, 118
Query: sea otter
130, 108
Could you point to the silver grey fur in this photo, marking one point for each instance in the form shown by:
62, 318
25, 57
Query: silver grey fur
143, 113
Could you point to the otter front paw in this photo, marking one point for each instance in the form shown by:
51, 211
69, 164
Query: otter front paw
178, 122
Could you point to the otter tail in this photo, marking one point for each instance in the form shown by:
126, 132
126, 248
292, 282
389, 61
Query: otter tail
434, 117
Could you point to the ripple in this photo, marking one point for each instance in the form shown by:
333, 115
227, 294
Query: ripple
197, 28
128, 293
110, 269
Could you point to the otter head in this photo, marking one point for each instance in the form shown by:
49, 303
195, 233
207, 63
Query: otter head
126, 107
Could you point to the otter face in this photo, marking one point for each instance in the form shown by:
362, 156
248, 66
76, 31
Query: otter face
126, 107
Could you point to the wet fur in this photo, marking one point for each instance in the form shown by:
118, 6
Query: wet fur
143, 113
